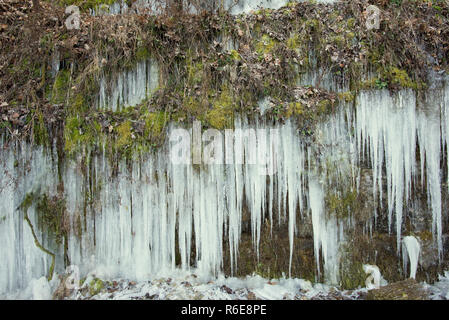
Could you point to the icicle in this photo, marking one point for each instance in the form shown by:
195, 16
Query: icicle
325, 233
135, 221
129, 88
391, 127
413, 248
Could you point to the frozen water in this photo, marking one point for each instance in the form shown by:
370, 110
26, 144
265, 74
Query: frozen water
413, 248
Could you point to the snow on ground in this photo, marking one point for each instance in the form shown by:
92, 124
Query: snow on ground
38, 289
195, 286
440, 289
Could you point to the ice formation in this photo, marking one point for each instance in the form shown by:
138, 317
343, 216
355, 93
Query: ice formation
389, 129
412, 248
374, 279
325, 233
132, 224
129, 88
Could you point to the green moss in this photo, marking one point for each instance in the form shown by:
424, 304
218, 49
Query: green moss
350, 36
124, 135
51, 213
193, 107
195, 72
425, 235
401, 78
142, 53
85, 4
392, 77
351, 23
222, 114
78, 133
264, 12
78, 104
40, 130
313, 24
155, 123
61, 87
294, 41
265, 45
341, 205
324, 106
266, 272
339, 40
235, 55
347, 96
294, 109
95, 286
352, 275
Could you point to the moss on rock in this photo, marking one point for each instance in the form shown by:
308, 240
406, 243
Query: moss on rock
222, 114
61, 87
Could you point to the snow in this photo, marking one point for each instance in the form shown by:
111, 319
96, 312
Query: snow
194, 285
191, 285
440, 289
37, 289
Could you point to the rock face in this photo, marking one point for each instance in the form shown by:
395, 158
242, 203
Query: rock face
403, 290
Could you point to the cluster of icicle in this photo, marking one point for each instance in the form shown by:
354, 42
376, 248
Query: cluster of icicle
389, 129
127, 89
138, 218
133, 223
